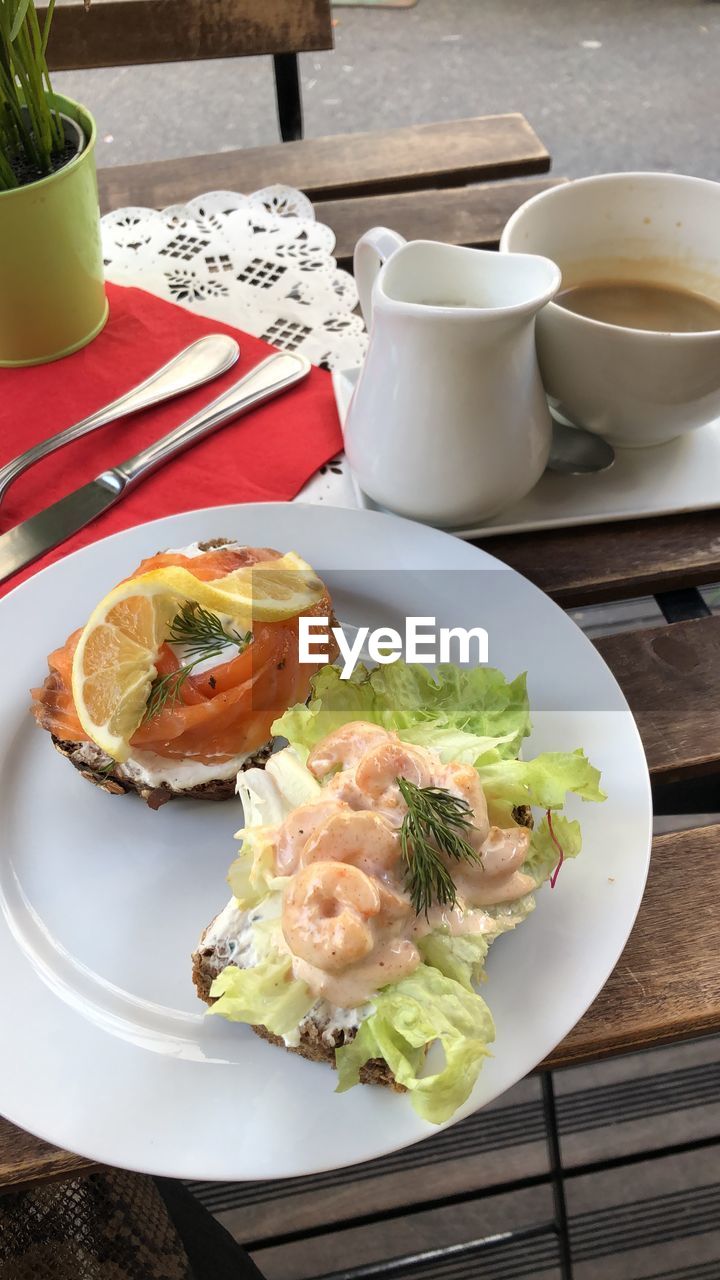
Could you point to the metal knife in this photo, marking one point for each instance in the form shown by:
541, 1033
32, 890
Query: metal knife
32, 538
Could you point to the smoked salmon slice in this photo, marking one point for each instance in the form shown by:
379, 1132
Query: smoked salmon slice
219, 713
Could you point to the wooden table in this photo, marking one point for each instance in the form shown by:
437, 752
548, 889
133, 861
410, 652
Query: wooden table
667, 984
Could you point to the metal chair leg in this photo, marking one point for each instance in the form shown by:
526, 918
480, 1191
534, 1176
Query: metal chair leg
212, 1253
556, 1174
287, 91
680, 606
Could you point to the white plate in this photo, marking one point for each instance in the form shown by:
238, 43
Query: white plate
105, 1047
683, 475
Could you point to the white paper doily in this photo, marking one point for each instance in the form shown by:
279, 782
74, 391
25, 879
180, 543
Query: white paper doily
259, 262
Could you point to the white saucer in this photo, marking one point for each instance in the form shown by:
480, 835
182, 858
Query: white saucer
683, 475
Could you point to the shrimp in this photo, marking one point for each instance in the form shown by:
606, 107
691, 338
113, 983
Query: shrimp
380, 767
297, 829
327, 913
464, 782
362, 838
495, 892
498, 878
504, 850
345, 746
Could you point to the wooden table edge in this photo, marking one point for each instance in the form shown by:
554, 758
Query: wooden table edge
614, 1047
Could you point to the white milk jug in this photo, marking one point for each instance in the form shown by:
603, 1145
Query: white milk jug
448, 422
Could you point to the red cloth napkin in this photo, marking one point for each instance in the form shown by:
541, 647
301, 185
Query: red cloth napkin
264, 456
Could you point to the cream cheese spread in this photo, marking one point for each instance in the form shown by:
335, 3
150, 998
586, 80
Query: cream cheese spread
151, 770
194, 549
234, 941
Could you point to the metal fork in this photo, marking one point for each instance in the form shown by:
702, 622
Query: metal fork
196, 364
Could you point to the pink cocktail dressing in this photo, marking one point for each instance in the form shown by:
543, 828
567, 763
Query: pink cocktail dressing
347, 919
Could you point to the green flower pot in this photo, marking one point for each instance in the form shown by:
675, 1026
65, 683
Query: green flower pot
52, 296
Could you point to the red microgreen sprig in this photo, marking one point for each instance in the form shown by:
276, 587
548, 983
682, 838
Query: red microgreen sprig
558, 846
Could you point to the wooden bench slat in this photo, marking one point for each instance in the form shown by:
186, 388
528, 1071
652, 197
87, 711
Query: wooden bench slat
666, 985
666, 674
25, 1160
117, 33
430, 155
589, 565
470, 215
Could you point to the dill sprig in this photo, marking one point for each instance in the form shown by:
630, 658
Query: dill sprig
434, 825
202, 636
202, 633
165, 690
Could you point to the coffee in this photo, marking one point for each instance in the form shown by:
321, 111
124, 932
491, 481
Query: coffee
635, 304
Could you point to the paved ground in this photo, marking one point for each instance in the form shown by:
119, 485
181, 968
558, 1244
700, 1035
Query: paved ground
608, 84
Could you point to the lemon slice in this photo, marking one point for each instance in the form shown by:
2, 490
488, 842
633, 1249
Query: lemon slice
265, 592
114, 662
115, 659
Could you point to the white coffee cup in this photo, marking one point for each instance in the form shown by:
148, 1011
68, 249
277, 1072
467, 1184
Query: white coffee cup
632, 386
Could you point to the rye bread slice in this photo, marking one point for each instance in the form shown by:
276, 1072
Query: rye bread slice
109, 776
314, 1044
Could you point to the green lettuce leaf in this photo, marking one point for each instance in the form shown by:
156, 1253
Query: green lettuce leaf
480, 701
252, 875
294, 781
268, 795
425, 1007
545, 781
460, 958
463, 714
543, 856
507, 915
266, 995
454, 744
333, 703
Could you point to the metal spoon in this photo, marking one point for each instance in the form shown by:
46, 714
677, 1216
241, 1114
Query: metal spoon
194, 365
576, 452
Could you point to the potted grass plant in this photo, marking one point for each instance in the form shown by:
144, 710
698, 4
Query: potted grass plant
52, 297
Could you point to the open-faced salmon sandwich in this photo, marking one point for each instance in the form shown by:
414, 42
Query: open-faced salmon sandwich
172, 686
380, 858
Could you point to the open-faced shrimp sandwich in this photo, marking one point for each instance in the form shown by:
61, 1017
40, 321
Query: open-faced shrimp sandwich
380, 858
173, 684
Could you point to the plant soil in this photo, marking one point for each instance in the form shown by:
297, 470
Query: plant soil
25, 172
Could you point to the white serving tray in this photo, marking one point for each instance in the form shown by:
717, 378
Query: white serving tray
683, 475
